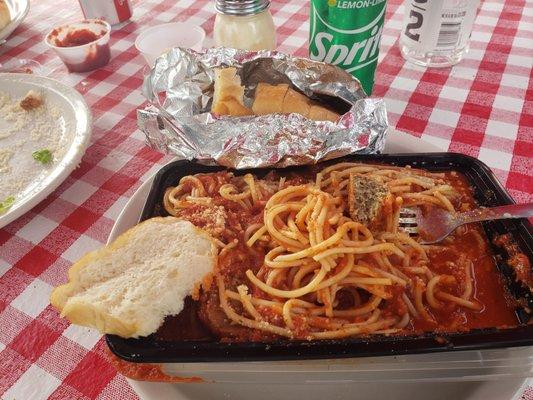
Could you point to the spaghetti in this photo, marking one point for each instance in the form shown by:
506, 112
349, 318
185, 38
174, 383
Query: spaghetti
295, 262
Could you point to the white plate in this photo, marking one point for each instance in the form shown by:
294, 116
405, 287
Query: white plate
397, 142
73, 129
18, 9
510, 389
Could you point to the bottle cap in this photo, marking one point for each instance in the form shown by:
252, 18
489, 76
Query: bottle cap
241, 7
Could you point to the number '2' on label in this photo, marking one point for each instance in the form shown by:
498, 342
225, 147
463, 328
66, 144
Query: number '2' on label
438, 24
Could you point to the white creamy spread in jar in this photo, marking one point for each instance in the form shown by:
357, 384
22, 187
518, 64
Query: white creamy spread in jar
247, 32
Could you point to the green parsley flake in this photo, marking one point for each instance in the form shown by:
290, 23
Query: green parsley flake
44, 156
6, 204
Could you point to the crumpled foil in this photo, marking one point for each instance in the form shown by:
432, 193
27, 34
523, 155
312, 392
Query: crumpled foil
179, 89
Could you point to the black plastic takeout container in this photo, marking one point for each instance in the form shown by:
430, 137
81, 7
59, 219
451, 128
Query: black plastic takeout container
488, 192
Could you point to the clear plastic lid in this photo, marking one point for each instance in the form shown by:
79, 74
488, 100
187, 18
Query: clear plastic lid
457, 366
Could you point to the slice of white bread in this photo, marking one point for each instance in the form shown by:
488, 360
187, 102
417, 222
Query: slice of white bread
128, 287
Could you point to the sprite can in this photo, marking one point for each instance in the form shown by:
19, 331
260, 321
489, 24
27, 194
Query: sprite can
347, 33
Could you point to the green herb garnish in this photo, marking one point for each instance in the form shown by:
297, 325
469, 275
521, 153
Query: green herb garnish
44, 156
6, 204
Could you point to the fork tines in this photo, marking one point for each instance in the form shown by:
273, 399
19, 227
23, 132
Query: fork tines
408, 221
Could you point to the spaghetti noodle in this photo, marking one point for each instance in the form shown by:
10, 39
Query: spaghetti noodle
295, 262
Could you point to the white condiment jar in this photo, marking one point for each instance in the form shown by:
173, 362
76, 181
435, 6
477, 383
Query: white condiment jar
244, 24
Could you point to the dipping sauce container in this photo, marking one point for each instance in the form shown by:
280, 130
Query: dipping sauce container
82, 46
158, 39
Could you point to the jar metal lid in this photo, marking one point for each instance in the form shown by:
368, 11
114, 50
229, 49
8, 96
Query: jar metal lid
241, 7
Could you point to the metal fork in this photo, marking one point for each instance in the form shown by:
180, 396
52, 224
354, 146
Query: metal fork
437, 223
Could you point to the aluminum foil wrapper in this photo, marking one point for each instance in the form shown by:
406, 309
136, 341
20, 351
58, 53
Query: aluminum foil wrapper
177, 120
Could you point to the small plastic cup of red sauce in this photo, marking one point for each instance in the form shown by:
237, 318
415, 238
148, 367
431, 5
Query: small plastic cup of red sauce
82, 46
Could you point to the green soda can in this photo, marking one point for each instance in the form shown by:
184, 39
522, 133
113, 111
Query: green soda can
347, 33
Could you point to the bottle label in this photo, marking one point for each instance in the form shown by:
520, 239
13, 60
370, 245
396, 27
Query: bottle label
347, 33
434, 25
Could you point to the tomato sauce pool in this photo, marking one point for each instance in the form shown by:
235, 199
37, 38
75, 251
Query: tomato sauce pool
78, 37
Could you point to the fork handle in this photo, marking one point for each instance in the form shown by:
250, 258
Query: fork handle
502, 212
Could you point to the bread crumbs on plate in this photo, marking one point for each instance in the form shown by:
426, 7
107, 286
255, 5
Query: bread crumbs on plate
28, 124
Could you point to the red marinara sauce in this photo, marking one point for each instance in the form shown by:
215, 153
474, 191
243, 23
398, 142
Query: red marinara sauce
470, 243
489, 288
147, 372
517, 260
78, 37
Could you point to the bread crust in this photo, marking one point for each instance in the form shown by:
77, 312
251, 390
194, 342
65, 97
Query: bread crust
230, 106
228, 97
5, 16
295, 102
319, 113
269, 98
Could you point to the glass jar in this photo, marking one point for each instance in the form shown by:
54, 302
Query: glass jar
244, 24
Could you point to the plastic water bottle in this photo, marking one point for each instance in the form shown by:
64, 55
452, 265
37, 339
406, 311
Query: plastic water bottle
436, 33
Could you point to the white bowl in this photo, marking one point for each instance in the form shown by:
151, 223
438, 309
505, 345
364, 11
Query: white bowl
156, 40
85, 57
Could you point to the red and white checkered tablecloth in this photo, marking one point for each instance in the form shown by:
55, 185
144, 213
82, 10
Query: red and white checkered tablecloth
482, 107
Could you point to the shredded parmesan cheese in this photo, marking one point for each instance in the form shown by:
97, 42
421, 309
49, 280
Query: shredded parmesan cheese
212, 219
